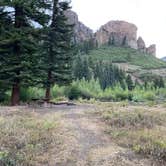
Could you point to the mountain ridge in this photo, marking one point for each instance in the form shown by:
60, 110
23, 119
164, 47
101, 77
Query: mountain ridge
115, 33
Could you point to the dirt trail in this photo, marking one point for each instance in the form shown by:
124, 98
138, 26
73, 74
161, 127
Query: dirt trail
85, 141
91, 146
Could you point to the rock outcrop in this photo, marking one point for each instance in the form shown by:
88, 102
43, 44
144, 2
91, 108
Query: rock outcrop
81, 32
141, 45
122, 34
118, 33
151, 50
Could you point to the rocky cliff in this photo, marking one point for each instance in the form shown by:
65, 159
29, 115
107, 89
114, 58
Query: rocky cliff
151, 50
116, 33
121, 33
141, 45
81, 32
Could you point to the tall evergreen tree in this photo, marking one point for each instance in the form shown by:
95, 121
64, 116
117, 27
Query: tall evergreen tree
57, 46
161, 83
129, 83
158, 82
17, 41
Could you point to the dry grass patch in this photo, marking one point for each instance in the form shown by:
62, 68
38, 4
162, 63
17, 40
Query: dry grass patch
142, 130
27, 138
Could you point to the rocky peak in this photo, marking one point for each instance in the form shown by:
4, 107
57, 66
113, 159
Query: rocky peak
141, 45
151, 50
81, 32
117, 33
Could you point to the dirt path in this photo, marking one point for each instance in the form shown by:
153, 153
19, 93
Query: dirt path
90, 145
85, 140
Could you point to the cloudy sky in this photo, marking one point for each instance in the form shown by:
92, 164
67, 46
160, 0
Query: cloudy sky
148, 15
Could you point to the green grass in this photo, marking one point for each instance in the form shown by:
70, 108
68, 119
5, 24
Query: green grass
126, 55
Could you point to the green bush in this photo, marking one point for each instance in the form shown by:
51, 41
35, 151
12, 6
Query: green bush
120, 95
150, 96
58, 91
90, 89
74, 93
28, 94
3, 96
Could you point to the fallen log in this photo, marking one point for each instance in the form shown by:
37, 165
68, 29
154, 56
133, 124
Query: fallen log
62, 103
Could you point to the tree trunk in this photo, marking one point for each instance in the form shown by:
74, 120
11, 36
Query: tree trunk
48, 93
15, 98
19, 22
48, 89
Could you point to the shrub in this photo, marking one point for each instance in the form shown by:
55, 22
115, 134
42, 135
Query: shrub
149, 96
151, 147
58, 91
28, 94
3, 97
74, 93
119, 96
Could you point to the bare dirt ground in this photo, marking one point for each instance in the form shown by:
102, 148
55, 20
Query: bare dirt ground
86, 143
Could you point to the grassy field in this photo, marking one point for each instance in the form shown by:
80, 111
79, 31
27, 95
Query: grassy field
139, 128
126, 55
98, 133
28, 138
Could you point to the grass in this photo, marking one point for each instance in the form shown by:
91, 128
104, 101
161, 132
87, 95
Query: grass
27, 138
139, 128
126, 55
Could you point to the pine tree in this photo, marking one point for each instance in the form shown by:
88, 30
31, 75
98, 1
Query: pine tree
158, 82
161, 83
123, 84
129, 82
18, 44
58, 49
78, 68
86, 69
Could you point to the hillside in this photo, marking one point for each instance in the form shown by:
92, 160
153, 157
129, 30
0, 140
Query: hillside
127, 55
130, 60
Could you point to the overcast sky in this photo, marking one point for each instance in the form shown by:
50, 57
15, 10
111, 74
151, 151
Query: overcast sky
148, 15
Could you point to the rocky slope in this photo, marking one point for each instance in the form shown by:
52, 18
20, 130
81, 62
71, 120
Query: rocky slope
118, 33
121, 33
115, 33
81, 32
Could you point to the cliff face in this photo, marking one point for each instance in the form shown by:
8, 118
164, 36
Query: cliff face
121, 33
141, 45
151, 50
81, 32
116, 33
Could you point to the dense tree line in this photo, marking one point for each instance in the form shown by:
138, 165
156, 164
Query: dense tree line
110, 75
107, 73
21, 58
